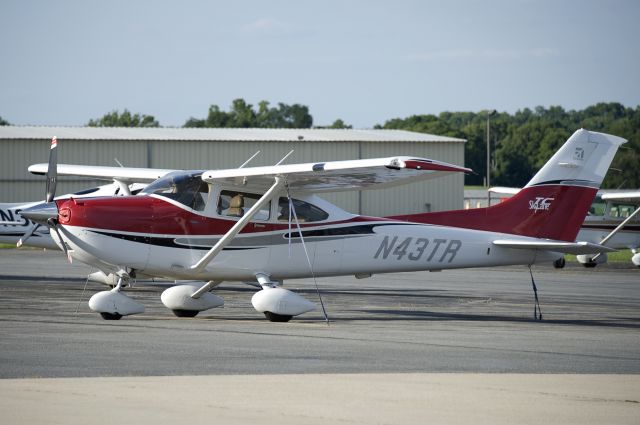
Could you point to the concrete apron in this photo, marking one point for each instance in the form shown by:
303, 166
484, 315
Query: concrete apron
413, 398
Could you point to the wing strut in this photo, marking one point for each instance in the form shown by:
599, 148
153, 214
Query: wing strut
228, 237
616, 230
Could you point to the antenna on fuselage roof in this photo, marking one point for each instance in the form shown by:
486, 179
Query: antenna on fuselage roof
285, 157
249, 160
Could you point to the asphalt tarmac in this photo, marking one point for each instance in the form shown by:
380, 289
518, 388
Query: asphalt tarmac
478, 320
385, 330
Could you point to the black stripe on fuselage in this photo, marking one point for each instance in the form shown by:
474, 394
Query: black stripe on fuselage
195, 243
161, 241
362, 229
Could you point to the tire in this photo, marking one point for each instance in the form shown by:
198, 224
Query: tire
273, 317
111, 316
185, 313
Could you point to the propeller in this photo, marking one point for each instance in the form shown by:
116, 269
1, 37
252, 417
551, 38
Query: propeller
52, 170
46, 213
28, 235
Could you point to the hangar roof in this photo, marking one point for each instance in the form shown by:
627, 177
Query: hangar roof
218, 134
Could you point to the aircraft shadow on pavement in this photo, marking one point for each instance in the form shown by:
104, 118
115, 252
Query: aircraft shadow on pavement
624, 322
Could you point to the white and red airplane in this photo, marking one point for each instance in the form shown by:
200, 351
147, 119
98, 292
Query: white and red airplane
241, 225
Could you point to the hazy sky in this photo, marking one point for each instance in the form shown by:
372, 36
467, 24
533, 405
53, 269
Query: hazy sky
65, 62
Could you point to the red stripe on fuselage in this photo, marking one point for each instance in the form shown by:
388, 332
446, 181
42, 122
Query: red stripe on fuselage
151, 215
523, 214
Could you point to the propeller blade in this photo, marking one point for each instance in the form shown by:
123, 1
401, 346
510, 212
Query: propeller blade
27, 235
52, 170
53, 225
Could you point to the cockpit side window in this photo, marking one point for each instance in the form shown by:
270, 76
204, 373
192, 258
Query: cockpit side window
621, 210
305, 211
186, 188
236, 204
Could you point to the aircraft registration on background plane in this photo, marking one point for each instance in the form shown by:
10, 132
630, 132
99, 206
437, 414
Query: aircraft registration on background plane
13, 226
613, 220
267, 224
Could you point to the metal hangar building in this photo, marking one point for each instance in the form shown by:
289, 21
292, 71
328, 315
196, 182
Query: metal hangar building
220, 148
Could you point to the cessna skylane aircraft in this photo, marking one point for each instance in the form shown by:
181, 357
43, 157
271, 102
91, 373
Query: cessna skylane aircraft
243, 224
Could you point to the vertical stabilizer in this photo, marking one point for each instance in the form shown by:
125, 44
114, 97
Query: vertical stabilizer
583, 160
554, 203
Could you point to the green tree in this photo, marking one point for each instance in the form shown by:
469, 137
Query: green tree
243, 115
340, 124
126, 119
294, 116
4, 122
266, 117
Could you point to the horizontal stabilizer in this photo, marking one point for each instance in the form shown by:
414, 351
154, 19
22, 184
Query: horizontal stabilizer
556, 246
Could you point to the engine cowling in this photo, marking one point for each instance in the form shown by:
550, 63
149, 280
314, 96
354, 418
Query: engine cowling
636, 259
114, 303
281, 301
178, 298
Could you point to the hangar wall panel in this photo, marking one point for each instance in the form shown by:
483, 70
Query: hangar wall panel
18, 185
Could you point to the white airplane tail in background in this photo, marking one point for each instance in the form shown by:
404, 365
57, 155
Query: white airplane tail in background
554, 203
583, 160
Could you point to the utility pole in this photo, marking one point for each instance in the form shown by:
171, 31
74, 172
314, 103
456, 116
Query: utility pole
489, 115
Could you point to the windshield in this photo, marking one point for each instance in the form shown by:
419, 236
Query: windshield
185, 187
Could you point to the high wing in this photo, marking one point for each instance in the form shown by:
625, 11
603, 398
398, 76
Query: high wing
336, 176
576, 248
123, 174
504, 190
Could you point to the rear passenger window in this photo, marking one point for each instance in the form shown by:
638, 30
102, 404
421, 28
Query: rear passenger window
305, 211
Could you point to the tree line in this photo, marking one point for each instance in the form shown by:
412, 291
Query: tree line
520, 143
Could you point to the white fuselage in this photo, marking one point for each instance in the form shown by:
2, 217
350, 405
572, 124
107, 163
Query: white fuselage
382, 247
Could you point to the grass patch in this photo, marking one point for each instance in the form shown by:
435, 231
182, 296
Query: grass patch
623, 256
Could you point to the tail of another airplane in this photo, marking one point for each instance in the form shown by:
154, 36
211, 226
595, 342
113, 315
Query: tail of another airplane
554, 203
